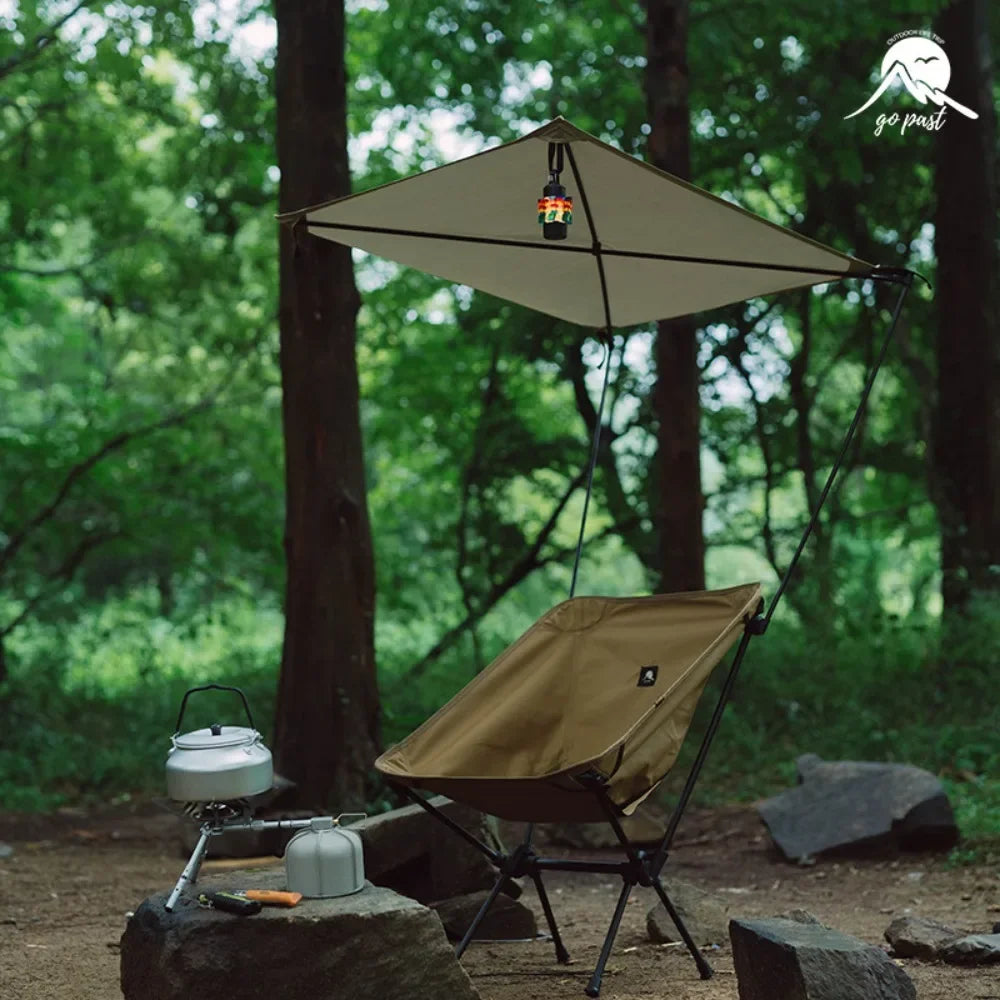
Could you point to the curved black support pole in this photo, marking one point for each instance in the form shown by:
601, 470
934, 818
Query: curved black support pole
819, 274
758, 624
905, 279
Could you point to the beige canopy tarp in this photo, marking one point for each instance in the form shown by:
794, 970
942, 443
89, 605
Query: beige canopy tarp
644, 245
605, 683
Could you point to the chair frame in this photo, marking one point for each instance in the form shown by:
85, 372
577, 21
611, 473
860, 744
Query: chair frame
640, 867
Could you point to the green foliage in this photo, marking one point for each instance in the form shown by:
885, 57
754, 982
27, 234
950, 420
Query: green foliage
90, 707
141, 478
875, 689
138, 402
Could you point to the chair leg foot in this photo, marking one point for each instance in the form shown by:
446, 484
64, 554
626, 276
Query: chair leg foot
594, 986
704, 969
562, 955
480, 916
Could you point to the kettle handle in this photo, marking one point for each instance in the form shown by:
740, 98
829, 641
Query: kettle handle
212, 687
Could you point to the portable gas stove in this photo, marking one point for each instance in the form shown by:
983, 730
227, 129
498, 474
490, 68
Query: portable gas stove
214, 772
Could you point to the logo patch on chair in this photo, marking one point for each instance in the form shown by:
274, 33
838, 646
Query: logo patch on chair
647, 676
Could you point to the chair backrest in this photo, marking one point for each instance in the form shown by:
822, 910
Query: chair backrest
597, 682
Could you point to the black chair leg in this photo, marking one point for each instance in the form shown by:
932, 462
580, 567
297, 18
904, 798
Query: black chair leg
594, 986
562, 955
480, 916
699, 959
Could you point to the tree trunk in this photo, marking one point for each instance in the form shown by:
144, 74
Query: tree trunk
967, 429
679, 504
327, 720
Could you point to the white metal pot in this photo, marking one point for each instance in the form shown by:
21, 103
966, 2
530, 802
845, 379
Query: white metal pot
325, 860
220, 763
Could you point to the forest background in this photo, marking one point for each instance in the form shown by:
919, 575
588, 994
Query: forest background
142, 462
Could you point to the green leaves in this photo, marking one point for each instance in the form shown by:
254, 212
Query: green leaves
136, 285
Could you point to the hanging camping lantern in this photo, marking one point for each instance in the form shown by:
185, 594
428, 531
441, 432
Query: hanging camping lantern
555, 207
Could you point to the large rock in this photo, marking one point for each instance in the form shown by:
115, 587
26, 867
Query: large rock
857, 805
976, 949
919, 937
412, 852
779, 959
704, 916
372, 944
505, 919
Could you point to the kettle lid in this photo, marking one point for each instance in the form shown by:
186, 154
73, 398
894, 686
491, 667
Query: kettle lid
216, 737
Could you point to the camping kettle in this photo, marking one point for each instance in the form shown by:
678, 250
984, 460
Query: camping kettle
220, 763
325, 860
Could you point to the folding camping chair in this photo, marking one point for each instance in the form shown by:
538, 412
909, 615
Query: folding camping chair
578, 721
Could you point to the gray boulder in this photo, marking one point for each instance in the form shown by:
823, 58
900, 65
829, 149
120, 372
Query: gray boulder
505, 920
374, 943
919, 937
849, 806
976, 949
417, 855
779, 959
703, 914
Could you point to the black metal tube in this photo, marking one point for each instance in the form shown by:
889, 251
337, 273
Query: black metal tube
906, 280
595, 246
823, 274
594, 986
595, 449
580, 865
612, 818
481, 915
562, 955
494, 856
699, 761
704, 968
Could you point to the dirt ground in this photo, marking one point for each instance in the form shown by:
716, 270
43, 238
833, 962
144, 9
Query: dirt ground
72, 878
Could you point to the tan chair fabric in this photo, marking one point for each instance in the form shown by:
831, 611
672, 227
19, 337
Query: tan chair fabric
566, 697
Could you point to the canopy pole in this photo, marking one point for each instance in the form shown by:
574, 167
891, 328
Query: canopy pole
905, 279
595, 249
592, 465
757, 624
752, 627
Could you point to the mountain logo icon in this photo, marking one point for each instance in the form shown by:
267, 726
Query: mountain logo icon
922, 67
